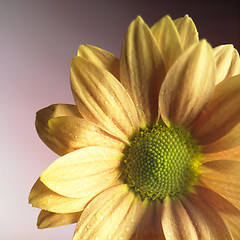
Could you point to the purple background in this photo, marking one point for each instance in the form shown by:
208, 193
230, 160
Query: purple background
38, 39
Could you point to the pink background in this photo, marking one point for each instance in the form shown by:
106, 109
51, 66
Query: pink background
38, 39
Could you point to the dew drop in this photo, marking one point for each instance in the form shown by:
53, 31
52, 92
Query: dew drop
88, 226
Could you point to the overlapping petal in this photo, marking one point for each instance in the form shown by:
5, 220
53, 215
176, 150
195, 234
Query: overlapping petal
142, 70
207, 221
44, 198
166, 34
223, 177
49, 219
73, 133
42, 124
84, 172
101, 58
188, 85
187, 31
227, 142
231, 154
176, 222
228, 212
221, 114
227, 62
150, 226
102, 99
113, 214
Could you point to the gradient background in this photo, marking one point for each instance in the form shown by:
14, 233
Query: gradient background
37, 42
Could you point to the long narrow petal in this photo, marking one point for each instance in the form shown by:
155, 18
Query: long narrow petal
83, 172
231, 154
49, 219
148, 227
74, 133
223, 177
227, 142
44, 198
187, 31
168, 39
142, 70
188, 85
227, 62
101, 58
176, 222
208, 223
229, 213
221, 114
102, 99
113, 214
42, 119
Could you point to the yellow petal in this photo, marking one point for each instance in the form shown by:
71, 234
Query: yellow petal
235, 64
48, 219
187, 31
168, 39
148, 227
227, 62
42, 119
208, 223
188, 85
84, 172
73, 133
44, 198
142, 70
223, 177
221, 114
102, 99
229, 213
101, 58
227, 142
230, 154
176, 222
113, 214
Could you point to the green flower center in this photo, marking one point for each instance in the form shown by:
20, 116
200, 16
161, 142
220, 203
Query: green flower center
161, 162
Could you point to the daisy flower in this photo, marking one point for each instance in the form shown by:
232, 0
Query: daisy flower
151, 149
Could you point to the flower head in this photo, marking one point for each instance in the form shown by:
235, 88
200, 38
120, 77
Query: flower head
151, 149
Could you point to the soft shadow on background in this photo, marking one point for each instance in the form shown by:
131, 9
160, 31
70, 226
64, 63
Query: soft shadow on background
38, 39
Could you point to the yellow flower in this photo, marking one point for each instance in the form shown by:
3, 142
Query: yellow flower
151, 150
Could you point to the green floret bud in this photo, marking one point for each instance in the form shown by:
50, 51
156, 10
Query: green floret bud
161, 162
